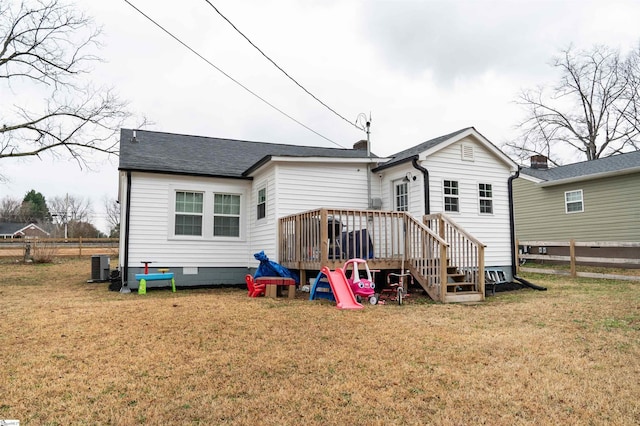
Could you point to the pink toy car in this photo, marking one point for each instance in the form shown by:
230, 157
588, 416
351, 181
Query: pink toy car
362, 288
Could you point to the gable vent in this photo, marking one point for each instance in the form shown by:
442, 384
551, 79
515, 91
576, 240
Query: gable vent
467, 152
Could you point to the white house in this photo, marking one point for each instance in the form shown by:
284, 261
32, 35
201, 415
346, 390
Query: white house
203, 206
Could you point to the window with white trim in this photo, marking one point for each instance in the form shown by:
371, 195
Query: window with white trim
451, 196
485, 198
226, 215
188, 213
573, 201
401, 196
261, 212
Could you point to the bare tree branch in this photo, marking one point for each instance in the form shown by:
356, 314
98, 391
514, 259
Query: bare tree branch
592, 110
48, 45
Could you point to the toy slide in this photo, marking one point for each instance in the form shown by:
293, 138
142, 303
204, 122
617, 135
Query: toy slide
341, 290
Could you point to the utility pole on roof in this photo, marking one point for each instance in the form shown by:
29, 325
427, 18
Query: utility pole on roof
364, 123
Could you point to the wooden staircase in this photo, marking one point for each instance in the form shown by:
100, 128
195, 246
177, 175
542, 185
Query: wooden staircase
459, 288
460, 278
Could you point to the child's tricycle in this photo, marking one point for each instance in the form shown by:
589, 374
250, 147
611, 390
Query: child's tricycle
362, 288
397, 290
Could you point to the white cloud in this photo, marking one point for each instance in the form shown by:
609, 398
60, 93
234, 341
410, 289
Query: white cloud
422, 68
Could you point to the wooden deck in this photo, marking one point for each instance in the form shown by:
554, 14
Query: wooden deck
434, 252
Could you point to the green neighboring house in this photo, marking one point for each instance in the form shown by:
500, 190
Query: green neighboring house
591, 201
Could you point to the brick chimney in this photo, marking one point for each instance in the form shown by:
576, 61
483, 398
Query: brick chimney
362, 145
539, 162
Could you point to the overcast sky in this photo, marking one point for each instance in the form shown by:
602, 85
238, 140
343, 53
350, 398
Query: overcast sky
421, 68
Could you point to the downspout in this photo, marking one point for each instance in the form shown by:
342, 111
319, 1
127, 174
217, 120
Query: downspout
512, 232
125, 265
512, 222
425, 175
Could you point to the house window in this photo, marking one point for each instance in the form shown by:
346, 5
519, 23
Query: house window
262, 203
485, 195
188, 213
226, 215
573, 201
402, 196
451, 200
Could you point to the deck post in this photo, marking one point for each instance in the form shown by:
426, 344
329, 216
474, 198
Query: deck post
517, 257
443, 259
572, 255
324, 237
441, 230
443, 272
481, 270
298, 240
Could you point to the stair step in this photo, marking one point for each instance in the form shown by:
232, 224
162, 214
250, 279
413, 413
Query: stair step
459, 287
464, 297
457, 278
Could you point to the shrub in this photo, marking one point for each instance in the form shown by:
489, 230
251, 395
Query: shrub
43, 251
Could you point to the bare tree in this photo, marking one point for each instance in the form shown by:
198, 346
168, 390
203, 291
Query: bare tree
112, 209
46, 45
593, 110
10, 209
70, 208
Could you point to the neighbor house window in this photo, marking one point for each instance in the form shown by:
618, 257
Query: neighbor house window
451, 200
402, 196
262, 203
485, 195
188, 213
226, 215
573, 201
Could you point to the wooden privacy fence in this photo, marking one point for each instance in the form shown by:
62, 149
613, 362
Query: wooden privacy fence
573, 259
24, 247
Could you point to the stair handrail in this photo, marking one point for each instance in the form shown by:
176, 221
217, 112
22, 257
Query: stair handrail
438, 279
454, 252
426, 229
454, 224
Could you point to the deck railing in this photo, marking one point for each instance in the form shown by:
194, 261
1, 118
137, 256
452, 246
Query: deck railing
464, 251
388, 240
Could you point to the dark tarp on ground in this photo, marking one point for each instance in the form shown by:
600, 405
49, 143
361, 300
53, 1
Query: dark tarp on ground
268, 268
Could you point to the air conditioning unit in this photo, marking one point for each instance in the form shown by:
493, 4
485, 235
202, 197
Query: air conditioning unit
100, 269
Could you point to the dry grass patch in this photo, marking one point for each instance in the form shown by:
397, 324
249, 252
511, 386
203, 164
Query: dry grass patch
75, 353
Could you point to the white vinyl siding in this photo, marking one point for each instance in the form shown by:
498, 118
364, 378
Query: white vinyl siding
302, 187
492, 230
152, 223
384, 188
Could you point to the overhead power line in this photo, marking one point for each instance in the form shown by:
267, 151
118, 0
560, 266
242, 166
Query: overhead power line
279, 67
227, 75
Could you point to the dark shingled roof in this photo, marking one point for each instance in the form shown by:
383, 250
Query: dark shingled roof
204, 156
410, 153
10, 228
616, 163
